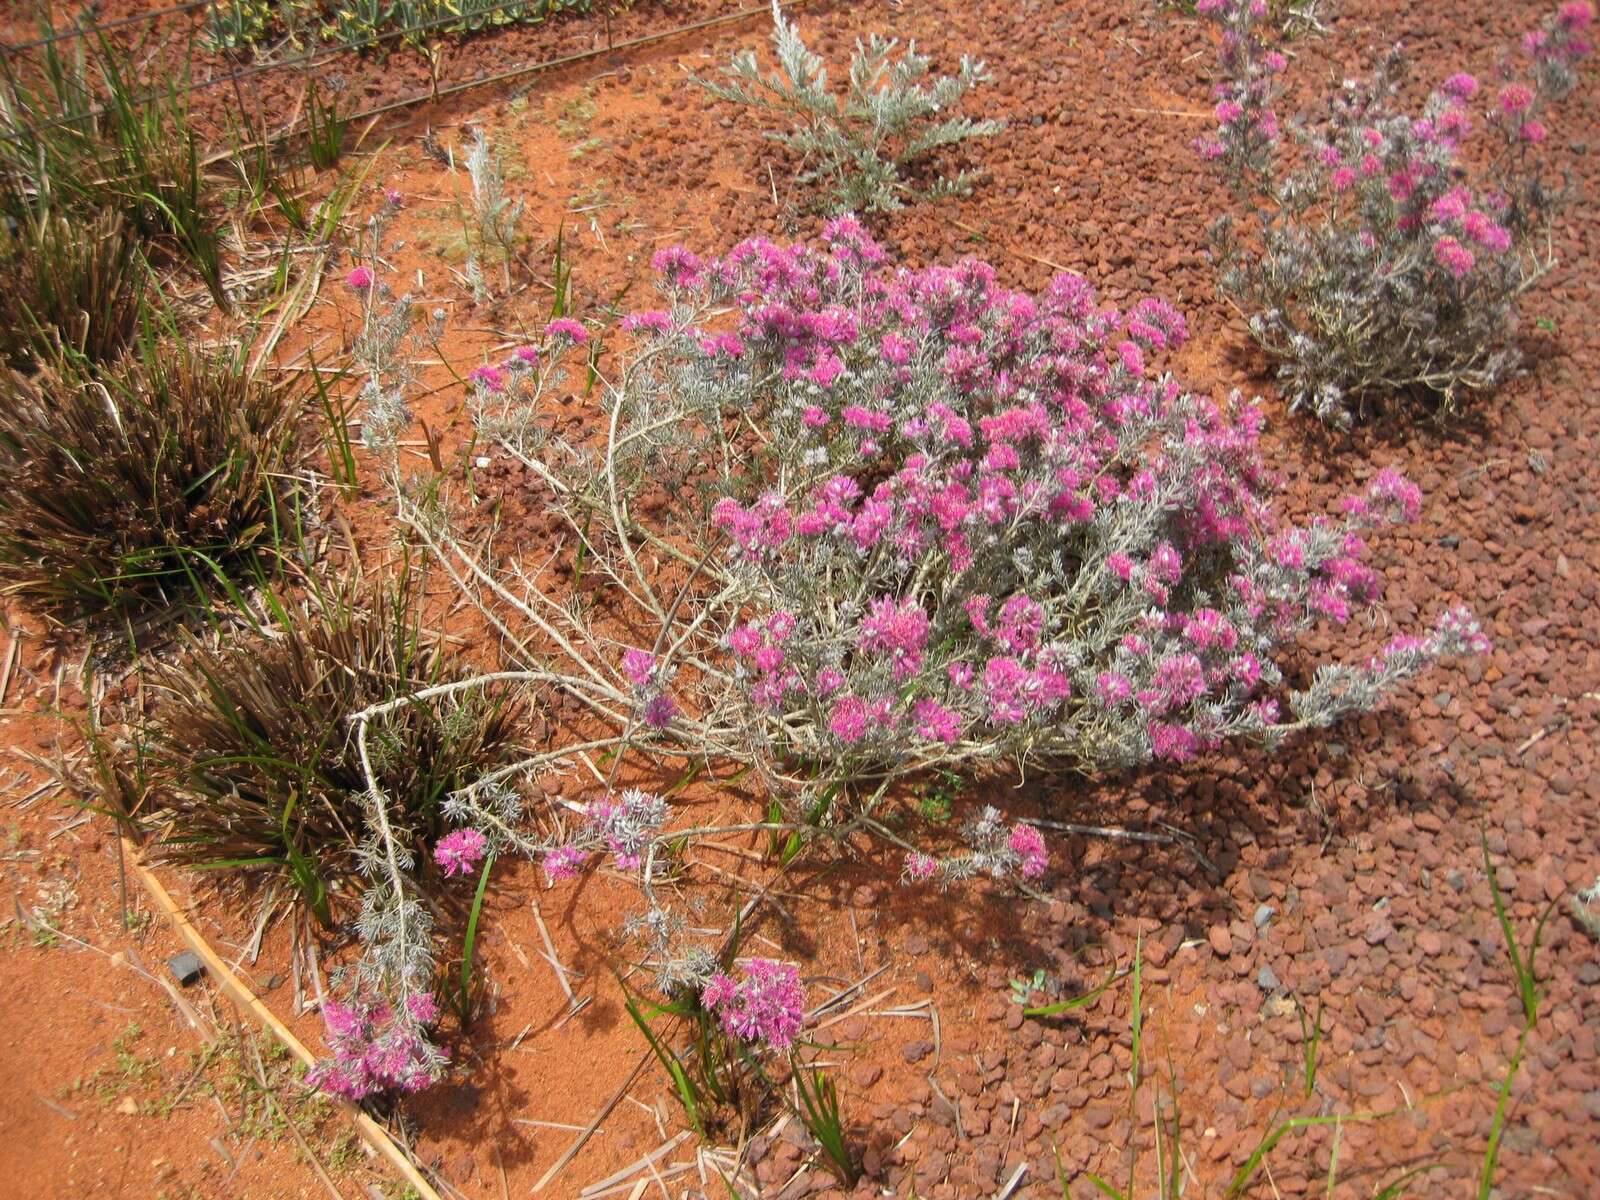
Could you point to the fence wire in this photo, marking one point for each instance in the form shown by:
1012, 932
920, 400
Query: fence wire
86, 29
308, 61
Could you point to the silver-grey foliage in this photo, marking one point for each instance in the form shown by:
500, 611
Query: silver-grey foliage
861, 147
492, 233
1386, 256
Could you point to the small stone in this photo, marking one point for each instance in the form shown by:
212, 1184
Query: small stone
1097, 1118
186, 968
1158, 949
1267, 980
1221, 940
1264, 914
864, 1075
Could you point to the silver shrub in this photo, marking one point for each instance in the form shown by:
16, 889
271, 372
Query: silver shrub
493, 232
861, 147
394, 335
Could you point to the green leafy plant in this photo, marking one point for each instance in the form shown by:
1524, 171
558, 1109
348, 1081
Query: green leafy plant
710, 1073
1022, 990
252, 746
1311, 1042
1076, 1002
463, 984
936, 795
819, 1112
340, 451
360, 23
863, 148
236, 24
692, 1079
719, 1038
326, 128
128, 490
1172, 1163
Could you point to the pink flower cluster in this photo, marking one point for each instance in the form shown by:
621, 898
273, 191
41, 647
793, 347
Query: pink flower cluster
377, 1048
622, 825
1027, 843
1001, 531
559, 334
564, 862
992, 850
766, 1007
458, 852
898, 632
760, 644
757, 530
656, 707
639, 666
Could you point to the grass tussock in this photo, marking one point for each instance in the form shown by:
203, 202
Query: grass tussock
134, 487
255, 752
84, 130
76, 285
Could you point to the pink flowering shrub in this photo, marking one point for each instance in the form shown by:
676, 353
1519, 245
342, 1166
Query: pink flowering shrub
1392, 246
378, 1048
975, 526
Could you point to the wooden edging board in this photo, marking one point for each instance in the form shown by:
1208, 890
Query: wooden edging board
370, 1132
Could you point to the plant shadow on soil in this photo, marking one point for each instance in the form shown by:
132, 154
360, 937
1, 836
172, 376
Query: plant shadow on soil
1209, 814
1406, 423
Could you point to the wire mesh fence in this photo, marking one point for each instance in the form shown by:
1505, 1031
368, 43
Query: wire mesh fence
308, 63
81, 29
304, 63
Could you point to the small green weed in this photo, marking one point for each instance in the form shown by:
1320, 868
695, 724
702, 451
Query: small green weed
1525, 976
936, 796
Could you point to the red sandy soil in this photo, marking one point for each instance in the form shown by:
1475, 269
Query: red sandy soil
110, 1092
1346, 871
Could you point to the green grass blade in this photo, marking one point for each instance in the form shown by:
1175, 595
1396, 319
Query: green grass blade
471, 941
1077, 1002
1105, 1188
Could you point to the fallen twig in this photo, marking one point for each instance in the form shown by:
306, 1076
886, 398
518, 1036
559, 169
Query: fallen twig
605, 1111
